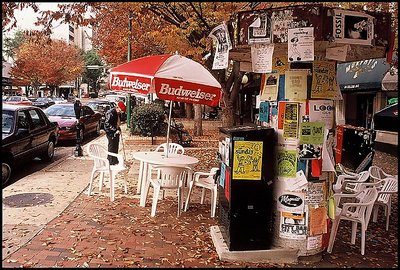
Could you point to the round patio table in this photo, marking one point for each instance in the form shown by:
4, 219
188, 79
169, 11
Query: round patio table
157, 158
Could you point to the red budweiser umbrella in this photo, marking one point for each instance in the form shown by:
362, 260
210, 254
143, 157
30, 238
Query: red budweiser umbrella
171, 76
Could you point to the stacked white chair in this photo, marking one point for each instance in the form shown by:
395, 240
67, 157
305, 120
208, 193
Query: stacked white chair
388, 188
357, 211
376, 173
350, 183
205, 180
101, 165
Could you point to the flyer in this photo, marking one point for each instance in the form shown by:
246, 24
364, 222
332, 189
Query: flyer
322, 111
261, 58
291, 120
293, 226
270, 87
324, 83
301, 44
287, 163
312, 132
296, 85
247, 160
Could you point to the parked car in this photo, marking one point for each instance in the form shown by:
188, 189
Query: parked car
64, 115
26, 133
101, 106
58, 100
18, 100
43, 102
4, 98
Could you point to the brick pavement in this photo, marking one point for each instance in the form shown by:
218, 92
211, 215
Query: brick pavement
94, 232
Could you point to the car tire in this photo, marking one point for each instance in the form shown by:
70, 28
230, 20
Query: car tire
5, 171
48, 155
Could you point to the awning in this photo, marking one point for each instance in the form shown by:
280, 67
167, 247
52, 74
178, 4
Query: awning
362, 75
387, 118
389, 81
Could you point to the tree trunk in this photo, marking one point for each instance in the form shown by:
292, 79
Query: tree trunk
189, 110
198, 123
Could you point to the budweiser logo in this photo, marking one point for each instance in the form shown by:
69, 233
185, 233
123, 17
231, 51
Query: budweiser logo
195, 94
137, 85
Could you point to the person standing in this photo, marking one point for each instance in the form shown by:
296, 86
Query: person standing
113, 130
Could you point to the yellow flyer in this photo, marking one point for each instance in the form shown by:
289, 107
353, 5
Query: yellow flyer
247, 160
324, 80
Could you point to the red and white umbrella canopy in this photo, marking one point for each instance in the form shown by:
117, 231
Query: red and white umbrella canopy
171, 76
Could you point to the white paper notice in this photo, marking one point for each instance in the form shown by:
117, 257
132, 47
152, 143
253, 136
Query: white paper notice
301, 44
314, 242
261, 57
337, 53
296, 183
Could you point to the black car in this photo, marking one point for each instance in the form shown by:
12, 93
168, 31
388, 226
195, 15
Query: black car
26, 133
101, 106
43, 102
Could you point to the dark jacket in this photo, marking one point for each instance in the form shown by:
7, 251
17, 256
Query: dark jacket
110, 123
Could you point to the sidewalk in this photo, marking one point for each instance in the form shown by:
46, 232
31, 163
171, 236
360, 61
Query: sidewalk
67, 228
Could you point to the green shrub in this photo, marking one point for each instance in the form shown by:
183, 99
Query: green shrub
148, 120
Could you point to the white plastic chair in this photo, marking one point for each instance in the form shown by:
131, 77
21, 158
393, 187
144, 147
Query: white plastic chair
350, 183
389, 187
376, 173
343, 170
205, 181
101, 165
168, 177
173, 148
356, 212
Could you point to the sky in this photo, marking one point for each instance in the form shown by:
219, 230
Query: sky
26, 19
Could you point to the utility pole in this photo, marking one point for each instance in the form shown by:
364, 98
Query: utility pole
128, 100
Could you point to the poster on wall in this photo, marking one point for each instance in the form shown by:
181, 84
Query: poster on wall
337, 53
291, 120
301, 44
314, 242
222, 175
296, 84
293, 226
321, 111
264, 111
324, 83
270, 87
312, 132
280, 64
316, 194
353, 27
318, 218
221, 35
287, 163
292, 202
260, 30
247, 161
261, 58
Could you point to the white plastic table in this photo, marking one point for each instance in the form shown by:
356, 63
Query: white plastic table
157, 158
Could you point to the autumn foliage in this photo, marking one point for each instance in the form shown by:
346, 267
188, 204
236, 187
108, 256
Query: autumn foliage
50, 62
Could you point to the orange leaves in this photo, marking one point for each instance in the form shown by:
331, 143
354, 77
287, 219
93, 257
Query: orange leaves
42, 61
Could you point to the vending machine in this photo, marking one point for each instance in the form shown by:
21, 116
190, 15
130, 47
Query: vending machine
245, 188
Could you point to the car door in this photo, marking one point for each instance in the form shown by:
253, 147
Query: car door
39, 129
24, 137
89, 121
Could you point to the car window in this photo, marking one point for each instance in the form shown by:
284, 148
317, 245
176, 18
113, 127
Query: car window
7, 122
57, 110
22, 121
14, 99
37, 120
87, 111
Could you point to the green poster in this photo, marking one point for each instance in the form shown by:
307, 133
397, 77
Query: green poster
312, 132
287, 163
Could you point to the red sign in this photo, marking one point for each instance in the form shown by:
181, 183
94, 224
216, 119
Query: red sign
134, 84
187, 92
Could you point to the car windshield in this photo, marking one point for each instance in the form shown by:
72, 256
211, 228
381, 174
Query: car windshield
99, 106
7, 122
42, 99
14, 99
56, 110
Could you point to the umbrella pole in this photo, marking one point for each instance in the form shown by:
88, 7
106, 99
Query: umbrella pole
169, 124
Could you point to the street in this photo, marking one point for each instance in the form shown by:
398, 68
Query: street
62, 151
